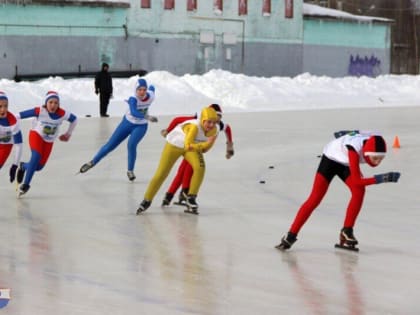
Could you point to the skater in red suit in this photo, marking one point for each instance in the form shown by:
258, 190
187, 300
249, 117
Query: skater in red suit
185, 172
10, 136
46, 123
342, 157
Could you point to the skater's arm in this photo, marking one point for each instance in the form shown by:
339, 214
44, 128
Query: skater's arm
73, 122
191, 131
355, 173
132, 103
176, 121
229, 143
33, 112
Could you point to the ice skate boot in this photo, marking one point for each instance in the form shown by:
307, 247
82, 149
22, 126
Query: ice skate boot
23, 189
131, 176
192, 206
144, 205
347, 239
167, 200
182, 201
20, 173
287, 241
87, 166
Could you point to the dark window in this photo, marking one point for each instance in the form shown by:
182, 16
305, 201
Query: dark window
191, 5
145, 4
266, 7
242, 7
169, 4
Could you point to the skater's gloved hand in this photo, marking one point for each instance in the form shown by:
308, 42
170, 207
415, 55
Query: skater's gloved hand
341, 133
12, 172
164, 133
387, 177
229, 150
64, 137
151, 118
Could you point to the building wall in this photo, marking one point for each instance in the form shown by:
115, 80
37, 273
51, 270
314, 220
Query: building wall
80, 37
49, 38
355, 47
71, 38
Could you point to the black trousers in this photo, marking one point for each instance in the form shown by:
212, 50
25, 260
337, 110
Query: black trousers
103, 103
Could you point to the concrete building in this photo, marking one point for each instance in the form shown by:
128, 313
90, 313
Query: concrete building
262, 38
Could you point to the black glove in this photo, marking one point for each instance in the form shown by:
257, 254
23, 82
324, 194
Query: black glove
12, 172
229, 150
387, 177
341, 133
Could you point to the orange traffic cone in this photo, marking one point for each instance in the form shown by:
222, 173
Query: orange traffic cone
396, 143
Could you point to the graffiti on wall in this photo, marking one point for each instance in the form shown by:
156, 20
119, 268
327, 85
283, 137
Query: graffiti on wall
364, 66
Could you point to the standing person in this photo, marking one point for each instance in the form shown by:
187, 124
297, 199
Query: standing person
103, 87
44, 131
185, 172
189, 139
10, 136
133, 124
342, 157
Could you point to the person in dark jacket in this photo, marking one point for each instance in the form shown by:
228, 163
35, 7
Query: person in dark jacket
103, 87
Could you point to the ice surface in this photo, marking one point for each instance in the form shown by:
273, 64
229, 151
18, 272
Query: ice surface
73, 244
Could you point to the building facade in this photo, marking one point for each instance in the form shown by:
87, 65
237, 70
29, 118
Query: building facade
261, 37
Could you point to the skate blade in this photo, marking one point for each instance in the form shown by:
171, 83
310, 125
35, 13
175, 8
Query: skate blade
280, 247
350, 248
180, 203
190, 211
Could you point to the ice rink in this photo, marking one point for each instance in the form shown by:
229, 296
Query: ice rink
73, 244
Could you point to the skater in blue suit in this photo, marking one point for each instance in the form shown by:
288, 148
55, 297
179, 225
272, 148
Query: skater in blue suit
133, 125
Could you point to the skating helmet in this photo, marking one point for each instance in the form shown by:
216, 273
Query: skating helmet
207, 113
50, 95
3, 96
141, 83
217, 108
374, 146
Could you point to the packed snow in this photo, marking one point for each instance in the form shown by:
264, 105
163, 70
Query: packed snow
234, 92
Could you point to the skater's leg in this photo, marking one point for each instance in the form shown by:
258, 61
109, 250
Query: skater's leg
135, 137
186, 179
176, 182
355, 203
40, 152
196, 160
318, 192
119, 135
5, 150
168, 158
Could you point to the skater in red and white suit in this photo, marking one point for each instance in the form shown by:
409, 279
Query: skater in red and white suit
10, 136
342, 157
45, 129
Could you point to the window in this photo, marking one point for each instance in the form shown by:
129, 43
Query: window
145, 4
218, 6
266, 7
288, 9
191, 5
242, 7
169, 4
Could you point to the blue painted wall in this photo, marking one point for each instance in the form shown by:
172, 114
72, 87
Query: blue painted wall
332, 46
65, 38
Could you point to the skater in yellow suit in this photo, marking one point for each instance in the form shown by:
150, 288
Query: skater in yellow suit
189, 139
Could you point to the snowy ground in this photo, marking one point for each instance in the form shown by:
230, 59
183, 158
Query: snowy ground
73, 245
234, 92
